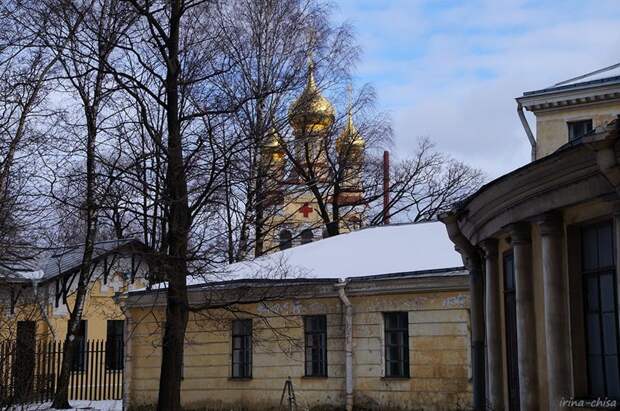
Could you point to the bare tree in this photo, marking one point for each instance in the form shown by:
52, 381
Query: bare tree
172, 112
421, 186
342, 167
270, 41
170, 57
82, 77
25, 66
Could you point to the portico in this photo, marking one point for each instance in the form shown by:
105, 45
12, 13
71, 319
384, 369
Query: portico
542, 234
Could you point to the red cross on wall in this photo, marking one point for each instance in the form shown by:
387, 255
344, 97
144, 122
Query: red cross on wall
306, 210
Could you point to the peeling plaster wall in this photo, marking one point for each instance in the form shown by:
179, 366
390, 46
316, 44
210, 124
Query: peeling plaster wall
438, 341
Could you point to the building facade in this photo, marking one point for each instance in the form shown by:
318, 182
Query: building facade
38, 297
396, 340
35, 298
36, 301
542, 244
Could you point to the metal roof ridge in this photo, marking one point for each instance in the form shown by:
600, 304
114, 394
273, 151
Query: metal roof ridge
601, 70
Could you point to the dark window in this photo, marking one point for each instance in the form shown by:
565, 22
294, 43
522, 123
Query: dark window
315, 329
510, 307
600, 303
114, 345
285, 239
307, 236
578, 129
79, 355
242, 349
396, 344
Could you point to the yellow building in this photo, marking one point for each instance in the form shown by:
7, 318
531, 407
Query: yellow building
43, 292
541, 244
35, 299
316, 154
349, 326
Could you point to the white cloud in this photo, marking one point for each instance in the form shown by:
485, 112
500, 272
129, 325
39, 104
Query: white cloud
451, 72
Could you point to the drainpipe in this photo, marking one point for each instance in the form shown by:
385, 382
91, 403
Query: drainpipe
348, 343
528, 130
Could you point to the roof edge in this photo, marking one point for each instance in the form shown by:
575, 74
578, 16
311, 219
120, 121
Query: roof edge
241, 282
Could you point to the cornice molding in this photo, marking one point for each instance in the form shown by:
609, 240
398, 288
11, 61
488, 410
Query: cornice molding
200, 297
571, 176
553, 99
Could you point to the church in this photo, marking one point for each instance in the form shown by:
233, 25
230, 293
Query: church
315, 172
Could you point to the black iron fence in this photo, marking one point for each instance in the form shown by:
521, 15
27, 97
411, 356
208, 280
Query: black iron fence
30, 374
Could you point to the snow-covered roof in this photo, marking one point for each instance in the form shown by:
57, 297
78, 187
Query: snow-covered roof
60, 260
600, 74
70, 257
601, 77
392, 249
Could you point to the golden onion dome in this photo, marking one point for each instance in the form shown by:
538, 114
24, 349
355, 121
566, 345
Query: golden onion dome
350, 137
311, 111
272, 149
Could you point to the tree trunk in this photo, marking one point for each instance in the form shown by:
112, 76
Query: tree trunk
61, 397
260, 210
179, 225
172, 350
259, 141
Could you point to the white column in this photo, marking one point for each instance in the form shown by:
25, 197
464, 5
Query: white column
557, 314
477, 330
495, 394
526, 320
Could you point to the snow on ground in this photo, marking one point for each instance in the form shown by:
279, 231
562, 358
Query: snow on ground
399, 248
107, 405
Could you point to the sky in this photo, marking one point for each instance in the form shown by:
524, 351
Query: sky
450, 70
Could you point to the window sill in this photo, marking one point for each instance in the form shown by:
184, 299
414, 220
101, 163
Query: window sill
314, 377
395, 378
239, 378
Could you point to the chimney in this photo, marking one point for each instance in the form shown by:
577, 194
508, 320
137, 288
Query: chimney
386, 187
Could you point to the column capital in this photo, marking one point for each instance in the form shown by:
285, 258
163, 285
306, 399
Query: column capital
550, 223
520, 233
489, 246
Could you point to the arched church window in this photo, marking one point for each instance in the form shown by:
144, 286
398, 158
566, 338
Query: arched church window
307, 236
286, 239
